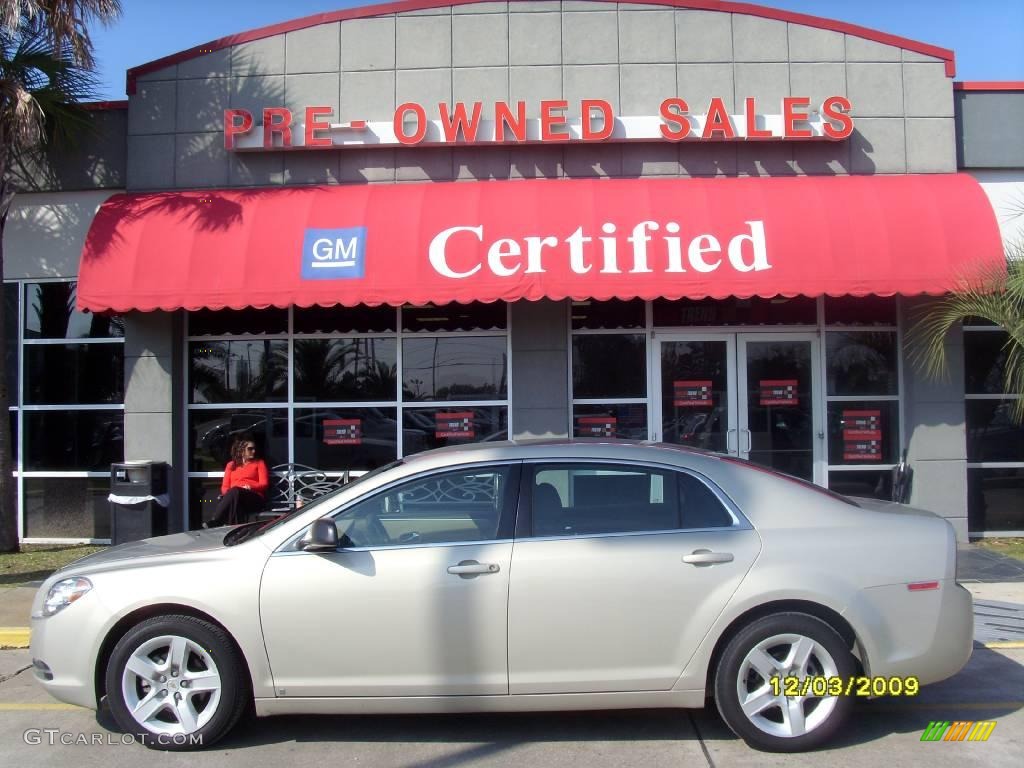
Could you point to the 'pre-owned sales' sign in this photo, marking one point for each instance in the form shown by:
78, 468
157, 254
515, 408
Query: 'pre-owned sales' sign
504, 123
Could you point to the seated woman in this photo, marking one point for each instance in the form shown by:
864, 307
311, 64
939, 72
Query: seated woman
244, 488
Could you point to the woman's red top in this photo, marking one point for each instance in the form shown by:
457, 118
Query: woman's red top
254, 474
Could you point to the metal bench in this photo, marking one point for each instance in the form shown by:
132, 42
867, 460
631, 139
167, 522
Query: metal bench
293, 485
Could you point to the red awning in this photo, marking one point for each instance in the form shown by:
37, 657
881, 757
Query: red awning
509, 240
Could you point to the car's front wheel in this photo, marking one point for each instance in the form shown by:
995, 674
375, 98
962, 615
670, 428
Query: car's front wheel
790, 653
176, 682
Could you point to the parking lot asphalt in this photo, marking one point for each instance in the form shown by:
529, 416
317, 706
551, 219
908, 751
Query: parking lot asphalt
880, 731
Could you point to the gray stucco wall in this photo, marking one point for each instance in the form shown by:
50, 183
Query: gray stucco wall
634, 56
934, 416
988, 127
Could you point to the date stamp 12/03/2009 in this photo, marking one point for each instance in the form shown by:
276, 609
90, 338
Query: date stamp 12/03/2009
820, 685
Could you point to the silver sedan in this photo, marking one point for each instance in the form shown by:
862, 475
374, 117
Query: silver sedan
553, 575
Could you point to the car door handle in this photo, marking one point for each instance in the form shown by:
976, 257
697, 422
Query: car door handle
707, 557
472, 568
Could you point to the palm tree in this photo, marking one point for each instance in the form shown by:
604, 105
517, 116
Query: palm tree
995, 296
46, 69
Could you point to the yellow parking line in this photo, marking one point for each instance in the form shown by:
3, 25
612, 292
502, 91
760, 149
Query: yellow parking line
905, 704
6, 706
1005, 644
14, 637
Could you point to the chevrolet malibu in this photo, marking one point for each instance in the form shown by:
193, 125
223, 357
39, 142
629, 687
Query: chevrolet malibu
544, 576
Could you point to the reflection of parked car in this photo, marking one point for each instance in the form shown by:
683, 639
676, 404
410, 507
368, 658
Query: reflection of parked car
510, 576
699, 429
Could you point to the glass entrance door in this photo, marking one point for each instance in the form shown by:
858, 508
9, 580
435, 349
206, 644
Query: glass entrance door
752, 395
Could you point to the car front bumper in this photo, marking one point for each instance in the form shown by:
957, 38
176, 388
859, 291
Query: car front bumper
64, 649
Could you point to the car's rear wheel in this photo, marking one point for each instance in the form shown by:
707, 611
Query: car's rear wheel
176, 682
786, 645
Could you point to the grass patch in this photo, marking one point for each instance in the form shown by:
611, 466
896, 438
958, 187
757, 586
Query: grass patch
1012, 547
37, 561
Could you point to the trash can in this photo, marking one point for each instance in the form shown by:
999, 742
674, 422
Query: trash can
138, 500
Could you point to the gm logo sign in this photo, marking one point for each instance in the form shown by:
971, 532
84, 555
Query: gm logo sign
334, 254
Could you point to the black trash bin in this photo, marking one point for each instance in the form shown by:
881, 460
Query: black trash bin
138, 500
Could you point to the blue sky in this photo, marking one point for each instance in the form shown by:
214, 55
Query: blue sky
987, 35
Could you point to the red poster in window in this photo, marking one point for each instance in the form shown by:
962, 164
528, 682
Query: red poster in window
596, 426
779, 392
862, 435
343, 431
862, 450
458, 425
862, 425
692, 393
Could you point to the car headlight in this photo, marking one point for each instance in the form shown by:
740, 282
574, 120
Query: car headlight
64, 593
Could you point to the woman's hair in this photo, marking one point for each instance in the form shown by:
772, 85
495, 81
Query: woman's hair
238, 448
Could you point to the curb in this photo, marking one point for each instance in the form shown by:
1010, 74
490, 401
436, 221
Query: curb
14, 637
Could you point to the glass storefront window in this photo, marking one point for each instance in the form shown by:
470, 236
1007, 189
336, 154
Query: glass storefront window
68, 440
985, 355
11, 331
238, 371
994, 499
424, 428
342, 439
609, 366
863, 432
213, 430
992, 433
359, 319
591, 315
74, 373
237, 322
50, 314
798, 310
860, 310
861, 363
455, 368
475, 316
622, 420
875, 484
328, 370
67, 507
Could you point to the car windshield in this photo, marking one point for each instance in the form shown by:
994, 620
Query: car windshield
258, 528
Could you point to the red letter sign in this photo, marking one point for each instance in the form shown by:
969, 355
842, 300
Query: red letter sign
458, 121
421, 123
313, 125
277, 120
836, 109
232, 128
548, 120
674, 117
503, 118
718, 121
589, 134
790, 117
753, 132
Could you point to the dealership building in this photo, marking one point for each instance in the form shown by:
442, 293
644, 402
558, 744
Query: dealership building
364, 234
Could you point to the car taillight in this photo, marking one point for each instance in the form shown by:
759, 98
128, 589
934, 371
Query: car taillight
920, 586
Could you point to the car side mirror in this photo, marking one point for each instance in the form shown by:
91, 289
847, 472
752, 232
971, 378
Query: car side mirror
323, 536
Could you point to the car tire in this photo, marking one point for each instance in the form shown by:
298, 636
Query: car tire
783, 645
176, 683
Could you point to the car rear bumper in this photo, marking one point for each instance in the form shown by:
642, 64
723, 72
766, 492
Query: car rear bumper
927, 634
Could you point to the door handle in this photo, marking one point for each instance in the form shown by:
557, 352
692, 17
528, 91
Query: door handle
750, 440
469, 568
701, 557
728, 442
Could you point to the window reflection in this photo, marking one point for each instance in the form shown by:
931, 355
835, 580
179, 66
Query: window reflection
424, 428
73, 440
238, 371
74, 373
346, 369
340, 439
992, 433
861, 363
609, 366
212, 432
50, 314
456, 368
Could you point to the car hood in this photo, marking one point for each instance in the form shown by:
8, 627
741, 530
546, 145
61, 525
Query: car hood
175, 544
